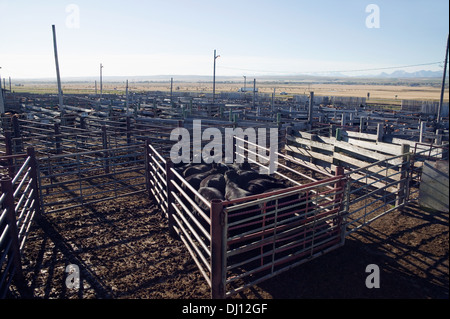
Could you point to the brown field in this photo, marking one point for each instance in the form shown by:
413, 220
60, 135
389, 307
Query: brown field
378, 92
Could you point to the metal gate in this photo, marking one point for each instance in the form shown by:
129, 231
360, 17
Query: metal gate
72, 180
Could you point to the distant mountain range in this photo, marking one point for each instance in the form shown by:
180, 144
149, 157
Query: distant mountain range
417, 74
396, 75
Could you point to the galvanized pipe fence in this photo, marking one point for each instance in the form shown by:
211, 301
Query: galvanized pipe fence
239, 243
20, 206
235, 244
92, 160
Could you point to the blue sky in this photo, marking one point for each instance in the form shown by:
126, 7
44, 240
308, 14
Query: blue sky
252, 37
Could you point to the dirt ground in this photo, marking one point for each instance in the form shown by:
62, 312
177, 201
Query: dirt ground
124, 251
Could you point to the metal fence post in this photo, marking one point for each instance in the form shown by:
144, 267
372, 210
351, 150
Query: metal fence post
35, 175
218, 250
8, 204
105, 147
17, 134
147, 168
340, 199
58, 138
170, 198
9, 151
128, 123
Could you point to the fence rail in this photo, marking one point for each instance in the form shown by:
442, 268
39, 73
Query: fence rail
236, 244
19, 203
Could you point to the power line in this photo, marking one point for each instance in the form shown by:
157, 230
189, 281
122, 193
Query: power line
340, 71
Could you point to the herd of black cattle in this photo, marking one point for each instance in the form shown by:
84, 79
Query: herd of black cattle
229, 182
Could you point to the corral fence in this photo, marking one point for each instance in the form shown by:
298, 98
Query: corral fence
19, 203
341, 183
383, 171
87, 161
237, 244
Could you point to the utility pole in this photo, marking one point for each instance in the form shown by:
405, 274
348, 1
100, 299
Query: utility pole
2, 104
310, 110
58, 77
171, 92
214, 76
438, 119
254, 92
126, 98
101, 82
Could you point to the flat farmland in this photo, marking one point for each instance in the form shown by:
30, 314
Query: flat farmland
388, 92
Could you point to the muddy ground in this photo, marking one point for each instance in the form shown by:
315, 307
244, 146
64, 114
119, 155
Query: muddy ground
124, 251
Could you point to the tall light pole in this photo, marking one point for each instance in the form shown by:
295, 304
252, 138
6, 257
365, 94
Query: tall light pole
214, 76
58, 77
441, 100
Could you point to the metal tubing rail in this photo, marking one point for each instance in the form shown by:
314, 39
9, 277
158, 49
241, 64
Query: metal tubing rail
195, 206
197, 194
286, 243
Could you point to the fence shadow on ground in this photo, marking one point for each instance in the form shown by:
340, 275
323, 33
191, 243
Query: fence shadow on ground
413, 262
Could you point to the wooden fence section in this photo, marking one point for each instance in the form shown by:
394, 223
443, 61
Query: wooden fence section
355, 150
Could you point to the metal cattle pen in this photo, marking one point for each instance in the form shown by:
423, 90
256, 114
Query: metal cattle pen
239, 243
19, 203
89, 162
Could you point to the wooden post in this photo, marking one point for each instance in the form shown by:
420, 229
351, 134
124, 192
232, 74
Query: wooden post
422, 131
380, 132
310, 110
438, 140
338, 134
343, 119
218, 246
403, 186
332, 130
362, 124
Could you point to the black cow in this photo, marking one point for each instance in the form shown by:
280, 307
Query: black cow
232, 188
192, 169
261, 185
209, 193
216, 181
